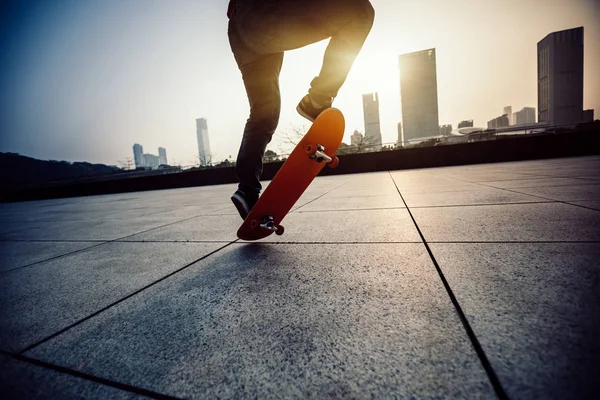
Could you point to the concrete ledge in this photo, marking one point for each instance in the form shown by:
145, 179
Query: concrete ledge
499, 150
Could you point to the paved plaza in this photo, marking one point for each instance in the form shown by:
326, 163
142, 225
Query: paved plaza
478, 281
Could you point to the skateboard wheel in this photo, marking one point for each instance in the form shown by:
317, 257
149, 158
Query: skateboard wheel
334, 162
279, 230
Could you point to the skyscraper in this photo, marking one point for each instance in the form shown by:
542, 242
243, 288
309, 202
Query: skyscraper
399, 133
162, 155
525, 116
560, 77
204, 154
418, 90
372, 124
150, 160
445, 130
138, 155
509, 114
499, 122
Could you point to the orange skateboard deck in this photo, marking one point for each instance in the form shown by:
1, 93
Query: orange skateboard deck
316, 149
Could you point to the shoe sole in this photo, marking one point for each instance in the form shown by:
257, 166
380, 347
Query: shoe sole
238, 202
304, 114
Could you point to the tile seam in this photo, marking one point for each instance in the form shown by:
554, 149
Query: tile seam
493, 378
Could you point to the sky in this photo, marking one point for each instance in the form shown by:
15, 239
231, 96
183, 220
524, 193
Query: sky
83, 80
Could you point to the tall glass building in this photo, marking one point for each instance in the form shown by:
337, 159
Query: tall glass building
138, 155
418, 90
560, 77
372, 123
204, 154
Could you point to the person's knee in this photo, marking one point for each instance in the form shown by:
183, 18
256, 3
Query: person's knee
262, 125
363, 13
369, 12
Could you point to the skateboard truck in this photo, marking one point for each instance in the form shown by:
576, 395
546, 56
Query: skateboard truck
268, 223
318, 154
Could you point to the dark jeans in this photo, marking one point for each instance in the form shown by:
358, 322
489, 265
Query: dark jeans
259, 33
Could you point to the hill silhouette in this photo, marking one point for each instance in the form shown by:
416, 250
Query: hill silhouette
19, 171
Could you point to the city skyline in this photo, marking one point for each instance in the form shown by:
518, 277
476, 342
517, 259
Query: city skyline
115, 73
141, 159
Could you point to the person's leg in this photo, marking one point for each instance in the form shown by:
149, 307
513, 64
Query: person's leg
342, 50
260, 74
273, 27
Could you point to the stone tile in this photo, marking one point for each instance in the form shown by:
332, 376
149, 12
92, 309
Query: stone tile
565, 193
21, 380
228, 210
11, 227
457, 186
329, 203
482, 196
351, 179
99, 229
408, 179
191, 211
385, 225
282, 321
203, 228
534, 309
71, 210
181, 203
511, 222
538, 182
488, 176
361, 191
38, 301
18, 254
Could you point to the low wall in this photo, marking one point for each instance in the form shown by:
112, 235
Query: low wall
499, 150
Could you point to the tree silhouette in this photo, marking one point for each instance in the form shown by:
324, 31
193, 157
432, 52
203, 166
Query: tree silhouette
270, 156
126, 164
204, 159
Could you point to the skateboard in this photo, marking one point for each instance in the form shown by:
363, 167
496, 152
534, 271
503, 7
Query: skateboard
315, 150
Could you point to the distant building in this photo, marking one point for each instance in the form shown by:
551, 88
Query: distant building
445, 130
560, 77
356, 139
509, 114
418, 89
465, 124
399, 133
499, 122
204, 154
150, 160
525, 116
138, 155
588, 116
162, 156
372, 124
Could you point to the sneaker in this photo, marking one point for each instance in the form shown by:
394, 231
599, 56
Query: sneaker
310, 109
243, 203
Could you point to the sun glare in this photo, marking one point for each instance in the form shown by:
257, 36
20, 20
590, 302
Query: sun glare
374, 71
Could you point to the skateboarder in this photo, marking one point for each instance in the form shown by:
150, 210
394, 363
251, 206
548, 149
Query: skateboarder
259, 33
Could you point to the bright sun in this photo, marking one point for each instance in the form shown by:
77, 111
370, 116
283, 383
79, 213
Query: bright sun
374, 71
